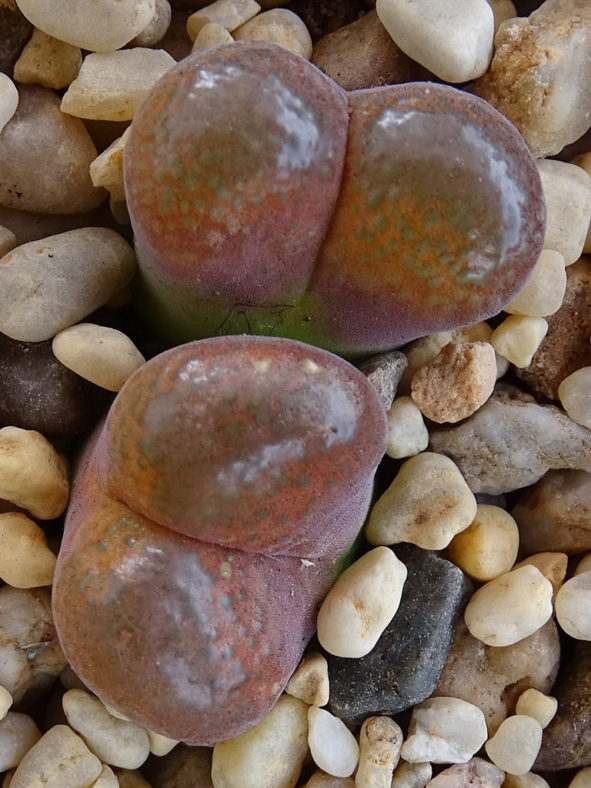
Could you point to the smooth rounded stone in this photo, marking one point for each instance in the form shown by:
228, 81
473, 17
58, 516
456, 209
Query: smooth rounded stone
510, 607
7, 240
489, 546
515, 744
361, 604
156, 29
310, 681
59, 758
25, 559
97, 26
18, 733
502, 10
444, 730
30, 654
404, 667
321, 779
543, 293
555, 514
380, 740
534, 703
32, 474
523, 440
427, 504
211, 35
456, 383
8, 99
111, 85
517, 338
476, 773
160, 745
50, 285
45, 157
47, 62
230, 14
102, 355
573, 606
540, 75
567, 193
332, 745
574, 393
384, 372
584, 565
270, 755
278, 26
15, 29
5, 702
107, 169
184, 766
106, 779
412, 775
552, 565
407, 433
582, 779
527, 780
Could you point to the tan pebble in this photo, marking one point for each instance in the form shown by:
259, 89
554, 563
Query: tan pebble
103, 355
584, 565
582, 779
115, 742
156, 28
131, 778
510, 607
227, 13
332, 745
488, 547
407, 433
278, 26
18, 733
543, 293
456, 383
48, 62
107, 169
575, 396
5, 702
380, 740
111, 86
321, 779
552, 565
160, 745
475, 773
516, 744
412, 775
527, 780
502, 10
7, 240
106, 779
32, 474
573, 606
518, 338
427, 504
535, 704
270, 755
8, 99
25, 559
212, 35
59, 758
310, 680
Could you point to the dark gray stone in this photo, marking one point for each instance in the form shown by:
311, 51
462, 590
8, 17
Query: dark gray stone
404, 667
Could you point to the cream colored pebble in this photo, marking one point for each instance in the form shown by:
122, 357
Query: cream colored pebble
551, 564
573, 606
7, 240
18, 733
474, 773
32, 474
8, 99
407, 433
5, 702
212, 35
534, 703
574, 393
582, 779
380, 740
270, 755
310, 680
48, 62
543, 293
444, 730
321, 779
412, 775
361, 604
25, 559
279, 26
111, 86
518, 338
115, 742
516, 744
527, 780
227, 13
510, 607
489, 546
106, 779
160, 745
103, 355
427, 504
107, 169
156, 28
584, 564
332, 745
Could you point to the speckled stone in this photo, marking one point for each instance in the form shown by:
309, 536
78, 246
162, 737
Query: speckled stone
404, 666
384, 372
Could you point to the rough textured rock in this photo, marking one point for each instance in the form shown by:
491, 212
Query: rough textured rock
404, 667
384, 373
476, 773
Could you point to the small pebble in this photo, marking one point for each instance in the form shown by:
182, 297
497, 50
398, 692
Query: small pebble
543, 293
18, 733
270, 755
552, 565
212, 35
227, 13
510, 607
582, 779
575, 396
518, 337
111, 86
332, 745
412, 775
160, 745
488, 547
407, 433
427, 504
48, 62
516, 744
384, 372
321, 779
156, 29
310, 681
573, 606
106, 779
361, 604
476, 773
527, 780
107, 169
502, 10
7, 240
279, 26
380, 740
444, 730
8, 99
25, 559
584, 565
535, 704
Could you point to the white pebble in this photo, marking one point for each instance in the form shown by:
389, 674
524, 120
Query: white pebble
380, 740
160, 745
516, 744
444, 730
412, 775
518, 338
407, 433
527, 780
510, 607
8, 99
475, 773
229, 14
573, 606
279, 26
156, 28
310, 681
116, 742
489, 546
212, 35
25, 559
332, 745
107, 169
582, 779
574, 393
453, 40
18, 733
321, 779
361, 604
543, 293
534, 703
